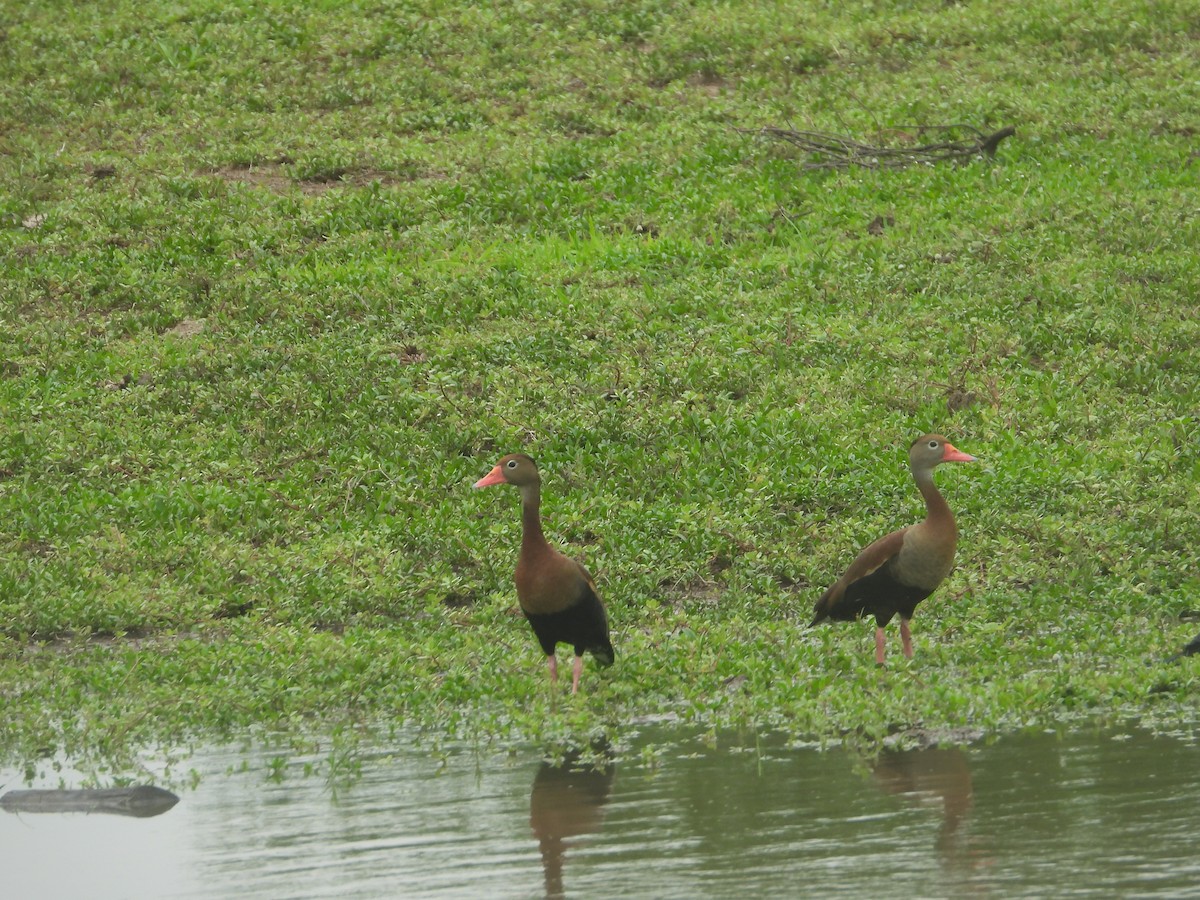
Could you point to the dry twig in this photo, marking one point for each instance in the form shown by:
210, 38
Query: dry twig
834, 151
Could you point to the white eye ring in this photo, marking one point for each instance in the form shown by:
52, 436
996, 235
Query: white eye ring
512, 463
933, 445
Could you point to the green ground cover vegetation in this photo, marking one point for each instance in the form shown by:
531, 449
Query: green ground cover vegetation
281, 280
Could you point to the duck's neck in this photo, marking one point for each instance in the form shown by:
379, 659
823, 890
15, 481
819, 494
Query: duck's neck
937, 510
532, 539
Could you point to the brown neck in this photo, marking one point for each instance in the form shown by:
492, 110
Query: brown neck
532, 539
937, 511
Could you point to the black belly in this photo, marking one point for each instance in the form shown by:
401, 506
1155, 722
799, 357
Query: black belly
583, 625
880, 595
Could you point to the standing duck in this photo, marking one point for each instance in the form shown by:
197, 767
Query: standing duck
1190, 650
556, 593
894, 574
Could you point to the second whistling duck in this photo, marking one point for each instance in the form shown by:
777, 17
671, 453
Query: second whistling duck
556, 593
1191, 649
894, 574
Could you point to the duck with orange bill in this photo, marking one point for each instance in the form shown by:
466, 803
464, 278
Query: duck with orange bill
895, 573
556, 594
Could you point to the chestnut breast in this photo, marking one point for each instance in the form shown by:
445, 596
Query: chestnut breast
926, 557
548, 582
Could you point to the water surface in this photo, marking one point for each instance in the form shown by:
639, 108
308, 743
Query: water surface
1082, 814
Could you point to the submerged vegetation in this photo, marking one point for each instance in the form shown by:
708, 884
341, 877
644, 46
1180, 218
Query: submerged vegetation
280, 281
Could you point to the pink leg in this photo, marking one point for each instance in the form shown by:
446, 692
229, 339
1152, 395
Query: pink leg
552, 665
906, 637
578, 671
879, 641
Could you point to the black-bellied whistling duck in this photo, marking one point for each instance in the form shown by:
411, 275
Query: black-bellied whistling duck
556, 593
894, 574
1191, 649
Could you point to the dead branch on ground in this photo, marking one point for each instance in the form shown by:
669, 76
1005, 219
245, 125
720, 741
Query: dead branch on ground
835, 151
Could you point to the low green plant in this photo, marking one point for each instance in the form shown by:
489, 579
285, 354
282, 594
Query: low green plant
280, 282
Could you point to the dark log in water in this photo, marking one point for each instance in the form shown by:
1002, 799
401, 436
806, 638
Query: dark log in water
142, 801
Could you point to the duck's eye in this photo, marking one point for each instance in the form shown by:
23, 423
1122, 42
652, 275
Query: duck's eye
512, 463
933, 445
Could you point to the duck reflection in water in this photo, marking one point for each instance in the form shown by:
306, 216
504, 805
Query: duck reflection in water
567, 801
938, 773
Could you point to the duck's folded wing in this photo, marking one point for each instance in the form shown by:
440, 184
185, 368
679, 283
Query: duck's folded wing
869, 560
